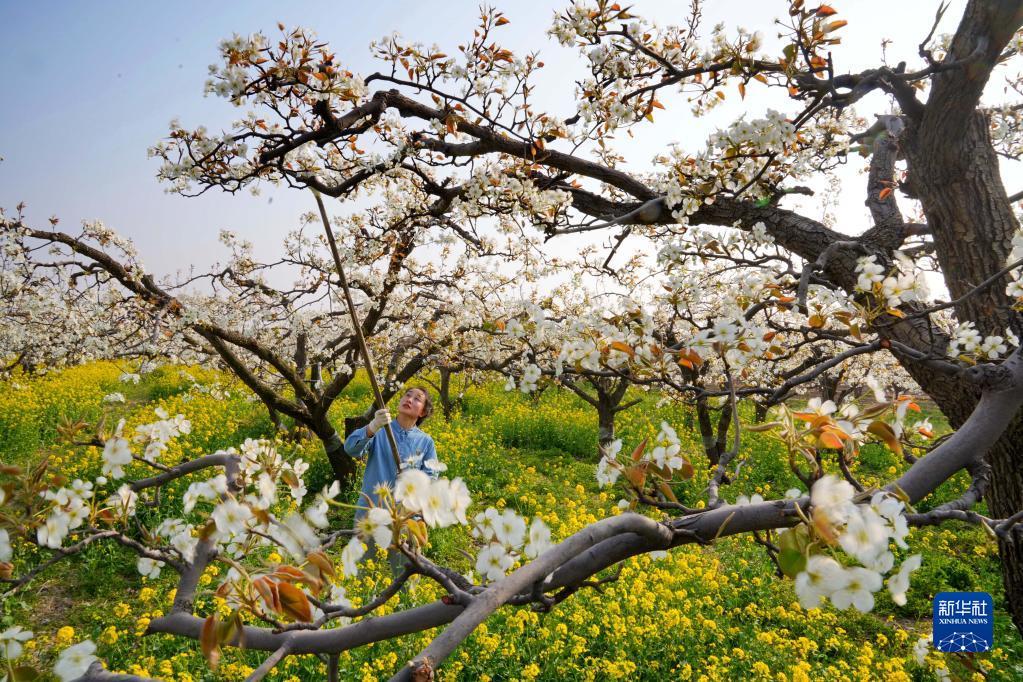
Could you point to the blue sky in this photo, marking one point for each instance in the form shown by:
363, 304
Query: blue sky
96, 83
90, 85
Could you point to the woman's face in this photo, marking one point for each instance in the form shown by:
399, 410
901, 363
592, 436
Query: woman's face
413, 403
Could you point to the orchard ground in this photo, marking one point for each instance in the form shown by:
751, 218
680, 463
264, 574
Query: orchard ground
698, 613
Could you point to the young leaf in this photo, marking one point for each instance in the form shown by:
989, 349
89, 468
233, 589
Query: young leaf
638, 452
623, 347
792, 562
268, 591
419, 532
667, 491
829, 439
208, 642
294, 602
322, 563
885, 433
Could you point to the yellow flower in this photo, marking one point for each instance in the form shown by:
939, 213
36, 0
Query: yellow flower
109, 636
122, 610
64, 636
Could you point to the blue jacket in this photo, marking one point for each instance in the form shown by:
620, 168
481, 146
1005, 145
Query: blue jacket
413, 444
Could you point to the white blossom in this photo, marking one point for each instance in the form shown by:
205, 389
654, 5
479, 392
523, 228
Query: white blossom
150, 568
858, 591
74, 661
11, 639
231, 517
350, 556
898, 584
494, 561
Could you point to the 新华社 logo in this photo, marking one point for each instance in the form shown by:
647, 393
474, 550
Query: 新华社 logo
963, 621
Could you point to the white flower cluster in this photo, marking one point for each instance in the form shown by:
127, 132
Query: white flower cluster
663, 452
116, 453
864, 533
158, 434
666, 449
71, 664
758, 235
155, 436
491, 187
506, 533
210, 489
771, 134
591, 341
259, 457
122, 502
530, 378
968, 342
179, 154
735, 338
903, 285
180, 537
69, 511
608, 468
576, 22
1006, 124
442, 502
229, 79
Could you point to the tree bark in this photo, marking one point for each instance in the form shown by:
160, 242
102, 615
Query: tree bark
605, 422
715, 439
342, 465
444, 393
972, 222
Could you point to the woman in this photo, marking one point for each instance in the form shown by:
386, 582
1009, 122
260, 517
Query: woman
415, 449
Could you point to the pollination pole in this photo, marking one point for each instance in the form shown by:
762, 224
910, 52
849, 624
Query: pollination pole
363, 348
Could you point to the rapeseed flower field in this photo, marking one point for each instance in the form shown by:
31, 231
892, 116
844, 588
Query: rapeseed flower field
699, 613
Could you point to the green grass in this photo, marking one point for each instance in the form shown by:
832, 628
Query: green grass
536, 457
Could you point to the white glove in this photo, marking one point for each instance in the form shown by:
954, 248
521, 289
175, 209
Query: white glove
380, 420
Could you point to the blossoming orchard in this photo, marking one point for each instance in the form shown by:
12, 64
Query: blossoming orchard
693, 421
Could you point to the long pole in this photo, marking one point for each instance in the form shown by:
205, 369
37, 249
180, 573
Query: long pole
363, 348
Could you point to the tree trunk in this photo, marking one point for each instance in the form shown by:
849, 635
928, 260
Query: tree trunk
342, 465
605, 423
714, 439
972, 222
829, 386
352, 423
1005, 497
444, 393
275, 416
